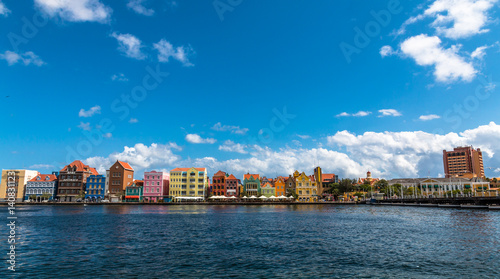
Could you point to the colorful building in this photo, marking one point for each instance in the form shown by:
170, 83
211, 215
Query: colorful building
156, 186
232, 186
42, 187
251, 184
369, 180
218, 185
134, 193
121, 175
267, 189
442, 186
15, 179
324, 180
73, 180
95, 189
188, 183
306, 188
290, 185
463, 161
279, 186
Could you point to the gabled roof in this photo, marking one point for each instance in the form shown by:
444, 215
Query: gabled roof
43, 178
125, 165
267, 184
219, 173
327, 176
231, 177
251, 176
94, 171
186, 169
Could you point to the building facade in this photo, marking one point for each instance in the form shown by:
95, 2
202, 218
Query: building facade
17, 180
251, 184
188, 183
462, 161
133, 193
441, 186
218, 185
306, 188
232, 186
279, 186
156, 186
121, 175
267, 190
95, 188
73, 180
42, 187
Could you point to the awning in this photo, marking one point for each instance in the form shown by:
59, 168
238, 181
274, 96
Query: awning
132, 197
467, 186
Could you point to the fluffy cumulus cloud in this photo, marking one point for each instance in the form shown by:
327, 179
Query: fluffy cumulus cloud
27, 58
386, 155
76, 10
89, 113
138, 7
389, 112
129, 45
410, 154
231, 146
166, 51
139, 156
234, 129
460, 18
197, 139
3, 9
429, 117
386, 51
448, 64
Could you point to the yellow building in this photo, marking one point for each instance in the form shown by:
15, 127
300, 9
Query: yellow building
20, 178
306, 188
188, 183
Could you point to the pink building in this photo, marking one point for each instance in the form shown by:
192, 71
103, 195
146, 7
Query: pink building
156, 186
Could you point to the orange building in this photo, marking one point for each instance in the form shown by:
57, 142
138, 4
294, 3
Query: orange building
121, 175
279, 185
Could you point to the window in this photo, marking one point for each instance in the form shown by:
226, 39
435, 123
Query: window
158, 183
157, 190
147, 183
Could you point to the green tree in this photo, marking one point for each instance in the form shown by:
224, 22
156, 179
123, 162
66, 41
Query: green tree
346, 185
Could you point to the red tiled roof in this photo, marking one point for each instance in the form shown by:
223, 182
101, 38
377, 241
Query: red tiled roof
328, 176
219, 173
231, 177
125, 165
80, 167
186, 169
254, 176
313, 179
43, 176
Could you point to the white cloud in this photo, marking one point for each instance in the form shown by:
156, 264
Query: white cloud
41, 166
129, 45
304, 136
88, 113
231, 146
387, 51
479, 52
460, 18
27, 58
107, 135
119, 77
234, 129
84, 126
76, 10
389, 112
429, 117
140, 157
195, 138
3, 9
167, 50
448, 65
357, 114
133, 120
138, 7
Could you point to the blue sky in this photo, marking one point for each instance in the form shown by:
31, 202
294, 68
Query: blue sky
423, 80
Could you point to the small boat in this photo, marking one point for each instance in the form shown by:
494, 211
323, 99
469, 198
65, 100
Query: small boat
84, 204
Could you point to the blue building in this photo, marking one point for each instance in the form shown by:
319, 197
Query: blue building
41, 187
95, 188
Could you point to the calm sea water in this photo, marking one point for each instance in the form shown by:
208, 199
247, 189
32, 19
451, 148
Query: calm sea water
304, 241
